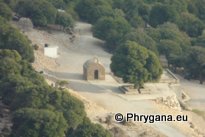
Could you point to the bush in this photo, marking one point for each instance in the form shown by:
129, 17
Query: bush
137, 64
11, 38
41, 12
5, 11
87, 129
64, 19
112, 30
38, 123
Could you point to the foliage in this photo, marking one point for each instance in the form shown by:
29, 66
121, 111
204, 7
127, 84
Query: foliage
195, 63
190, 24
160, 14
64, 19
87, 129
168, 47
11, 38
92, 10
170, 41
22, 87
199, 41
60, 4
112, 30
41, 12
140, 37
38, 122
5, 11
72, 108
61, 83
197, 8
136, 11
135, 64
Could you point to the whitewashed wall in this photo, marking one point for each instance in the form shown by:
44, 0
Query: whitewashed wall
51, 52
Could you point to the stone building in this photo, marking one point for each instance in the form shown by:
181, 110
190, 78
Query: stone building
51, 51
93, 69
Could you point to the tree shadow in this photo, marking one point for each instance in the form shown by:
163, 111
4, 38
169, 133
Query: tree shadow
77, 83
64, 75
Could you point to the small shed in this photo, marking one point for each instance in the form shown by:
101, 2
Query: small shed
93, 69
51, 51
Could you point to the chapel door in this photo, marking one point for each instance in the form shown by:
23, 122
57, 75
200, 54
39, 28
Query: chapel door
96, 74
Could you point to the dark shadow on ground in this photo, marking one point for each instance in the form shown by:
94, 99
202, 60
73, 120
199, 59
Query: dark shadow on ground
77, 83
83, 86
65, 75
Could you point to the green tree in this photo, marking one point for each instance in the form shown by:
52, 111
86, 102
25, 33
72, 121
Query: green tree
171, 42
140, 37
61, 84
195, 63
199, 41
87, 129
135, 64
5, 11
177, 61
197, 8
137, 22
72, 108
170, 39
92, 10
168, 47
17, 77
64, 19
60, 4
144, 11
11, 38
191, 24
161, 13
112, 30
41, 12
38, 123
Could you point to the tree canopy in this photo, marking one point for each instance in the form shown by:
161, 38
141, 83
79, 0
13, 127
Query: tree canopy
139, 36
90, 130
195, 63
135, 64
38, 122
191, 24
41, 12
92, 10
11, 38
160, 14
5, 11
64, 19
112, 30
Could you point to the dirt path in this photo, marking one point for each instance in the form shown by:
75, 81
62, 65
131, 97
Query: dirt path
196, 92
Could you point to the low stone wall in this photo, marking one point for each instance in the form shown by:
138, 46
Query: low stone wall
176, 80
127, 90
168, 77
